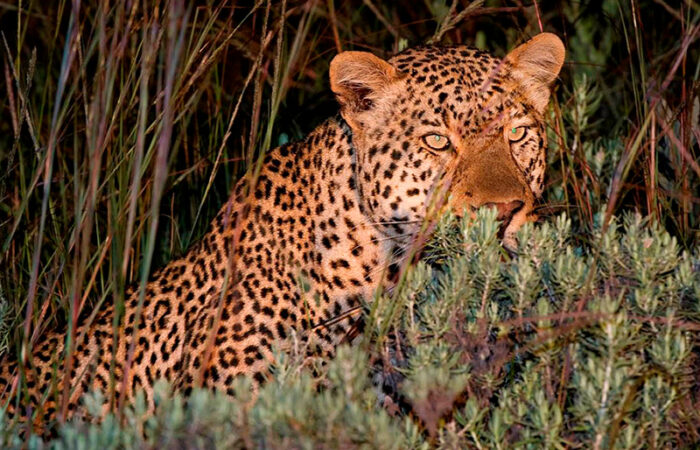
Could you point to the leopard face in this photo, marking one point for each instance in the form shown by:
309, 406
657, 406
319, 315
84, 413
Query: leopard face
448, 121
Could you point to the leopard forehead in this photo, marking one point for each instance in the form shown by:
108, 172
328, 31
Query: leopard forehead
464, 86
462, 67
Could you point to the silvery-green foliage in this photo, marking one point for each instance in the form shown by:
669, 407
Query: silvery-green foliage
572, 342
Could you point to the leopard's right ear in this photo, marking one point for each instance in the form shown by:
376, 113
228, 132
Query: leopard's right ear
356, 77
536, 64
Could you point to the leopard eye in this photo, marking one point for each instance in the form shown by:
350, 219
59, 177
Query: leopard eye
515, 134
436, 142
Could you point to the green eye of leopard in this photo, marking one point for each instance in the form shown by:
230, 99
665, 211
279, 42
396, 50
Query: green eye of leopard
515, 134
436, 142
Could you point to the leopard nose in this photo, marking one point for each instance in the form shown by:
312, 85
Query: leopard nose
505, 209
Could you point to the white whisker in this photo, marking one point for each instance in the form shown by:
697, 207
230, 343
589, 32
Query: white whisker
394, 222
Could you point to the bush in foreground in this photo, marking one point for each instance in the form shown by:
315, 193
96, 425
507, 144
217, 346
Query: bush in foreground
566, 345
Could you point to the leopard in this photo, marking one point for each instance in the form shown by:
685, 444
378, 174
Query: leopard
318, 230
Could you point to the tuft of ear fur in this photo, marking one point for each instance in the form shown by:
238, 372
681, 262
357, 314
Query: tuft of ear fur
355, 76
536, 64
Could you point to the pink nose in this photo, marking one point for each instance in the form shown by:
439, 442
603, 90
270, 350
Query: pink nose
505, 209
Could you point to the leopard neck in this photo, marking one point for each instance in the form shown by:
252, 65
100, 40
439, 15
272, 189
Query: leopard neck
305, 234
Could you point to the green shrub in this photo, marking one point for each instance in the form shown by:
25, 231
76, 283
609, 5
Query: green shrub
564, 345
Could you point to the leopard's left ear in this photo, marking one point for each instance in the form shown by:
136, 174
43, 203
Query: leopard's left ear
356, 77
536, 64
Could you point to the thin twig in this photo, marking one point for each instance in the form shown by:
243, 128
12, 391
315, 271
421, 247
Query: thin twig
451, 20
381, 18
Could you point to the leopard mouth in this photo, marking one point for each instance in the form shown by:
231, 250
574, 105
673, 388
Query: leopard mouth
503, 227
506, 220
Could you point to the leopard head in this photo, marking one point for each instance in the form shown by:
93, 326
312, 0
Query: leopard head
457, 120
